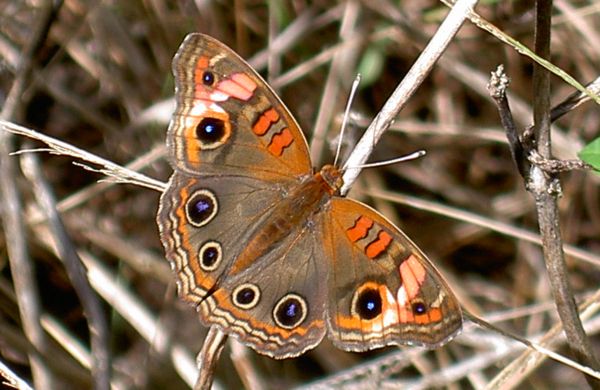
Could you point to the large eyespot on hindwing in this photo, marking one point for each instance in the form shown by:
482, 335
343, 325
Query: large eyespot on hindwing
213, 131
210, 255
367, 303
290, 311
201, 208
246, 296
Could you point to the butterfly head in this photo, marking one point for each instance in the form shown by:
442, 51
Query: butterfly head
332, 176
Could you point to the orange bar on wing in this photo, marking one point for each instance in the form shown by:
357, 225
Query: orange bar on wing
190, 146
280, 141
435, 315
360, 229
201, 66
378, 246
264, 122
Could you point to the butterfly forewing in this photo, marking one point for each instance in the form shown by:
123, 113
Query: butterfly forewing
228, 120
382, 288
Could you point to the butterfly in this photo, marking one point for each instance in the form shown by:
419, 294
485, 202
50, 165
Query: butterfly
265, 247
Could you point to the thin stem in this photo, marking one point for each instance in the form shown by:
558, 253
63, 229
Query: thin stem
546, 189
208, 357
97, 324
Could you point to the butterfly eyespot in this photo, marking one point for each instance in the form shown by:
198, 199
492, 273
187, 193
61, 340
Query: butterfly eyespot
419, 308
367, 303
290, 311
208, 78
210, 255
201, 208
246, 296
211, 132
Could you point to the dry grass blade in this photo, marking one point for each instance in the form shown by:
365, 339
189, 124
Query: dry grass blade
97, 323
521, 367
118, 173
11, 380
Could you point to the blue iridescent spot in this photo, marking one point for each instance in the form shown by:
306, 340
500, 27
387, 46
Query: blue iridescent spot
211, 254
210, 128
202, 205
291, 310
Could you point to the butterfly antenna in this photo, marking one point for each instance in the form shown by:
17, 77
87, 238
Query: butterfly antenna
408, 157
345, 119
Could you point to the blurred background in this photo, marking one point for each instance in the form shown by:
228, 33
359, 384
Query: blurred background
100, 79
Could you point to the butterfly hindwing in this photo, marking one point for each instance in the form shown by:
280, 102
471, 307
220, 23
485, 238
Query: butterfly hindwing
276, 304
